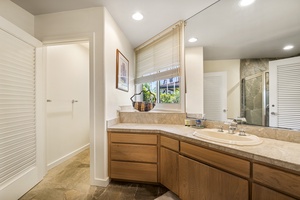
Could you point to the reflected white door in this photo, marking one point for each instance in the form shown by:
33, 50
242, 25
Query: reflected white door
215, 96
22, 116
285, 93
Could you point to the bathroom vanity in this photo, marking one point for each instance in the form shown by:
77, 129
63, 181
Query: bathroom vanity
196, 168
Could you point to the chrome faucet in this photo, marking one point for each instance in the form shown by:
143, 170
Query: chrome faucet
232, 127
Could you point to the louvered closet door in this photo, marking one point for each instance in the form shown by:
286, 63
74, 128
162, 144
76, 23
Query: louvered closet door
18, 141
215, 96
285, 93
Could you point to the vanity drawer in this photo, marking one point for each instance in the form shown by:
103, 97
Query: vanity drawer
131, 152
145, 172
223, 161
169, 143
277, 179
133, 138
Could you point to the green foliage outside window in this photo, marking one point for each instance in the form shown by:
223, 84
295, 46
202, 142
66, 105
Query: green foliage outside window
147, 96
173, 97
170, 98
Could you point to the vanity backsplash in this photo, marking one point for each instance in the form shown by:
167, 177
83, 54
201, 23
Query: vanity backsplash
179, 119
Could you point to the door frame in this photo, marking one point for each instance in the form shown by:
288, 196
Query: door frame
97, 108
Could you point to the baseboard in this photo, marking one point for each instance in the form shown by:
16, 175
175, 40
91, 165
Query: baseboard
100, 182
67, 156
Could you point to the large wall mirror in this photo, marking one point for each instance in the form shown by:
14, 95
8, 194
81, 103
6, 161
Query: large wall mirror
238, 44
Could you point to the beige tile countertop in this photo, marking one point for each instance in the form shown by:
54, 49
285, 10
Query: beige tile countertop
270, 151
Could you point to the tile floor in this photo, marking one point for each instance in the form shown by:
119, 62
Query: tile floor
70, 181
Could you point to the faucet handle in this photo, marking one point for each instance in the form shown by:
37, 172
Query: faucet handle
220, 129
242, 132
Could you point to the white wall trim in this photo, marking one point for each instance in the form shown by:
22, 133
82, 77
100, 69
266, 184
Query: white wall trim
101, 182
18, 33
67, 156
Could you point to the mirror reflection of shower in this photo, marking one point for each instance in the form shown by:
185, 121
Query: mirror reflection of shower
255, 99
255, 91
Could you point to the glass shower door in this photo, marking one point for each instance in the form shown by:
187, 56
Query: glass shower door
255, 99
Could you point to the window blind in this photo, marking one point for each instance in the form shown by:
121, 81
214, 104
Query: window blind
17, 107
288, 91
159, 58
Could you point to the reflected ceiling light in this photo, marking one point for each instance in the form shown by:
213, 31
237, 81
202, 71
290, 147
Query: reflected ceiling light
288, 47
193, 39
137, 16
246, 2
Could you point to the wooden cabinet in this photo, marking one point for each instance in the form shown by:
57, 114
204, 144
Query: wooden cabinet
195, 172
229, 163
279, 180
169, 163
262, 193
133, 157
199, 181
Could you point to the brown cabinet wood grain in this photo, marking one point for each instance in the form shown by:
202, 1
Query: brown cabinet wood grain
133, 152
223, 161
262, 193
169, 143
132, 138
280, 180
133, 157
145, 172
169, 169
198, 181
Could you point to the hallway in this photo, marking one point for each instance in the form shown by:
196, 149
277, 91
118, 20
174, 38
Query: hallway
70, 181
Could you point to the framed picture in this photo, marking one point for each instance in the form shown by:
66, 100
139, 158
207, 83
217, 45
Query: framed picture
122, 72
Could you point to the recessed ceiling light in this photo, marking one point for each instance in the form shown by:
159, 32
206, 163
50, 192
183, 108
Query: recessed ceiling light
137, 16
246, 2
193, 40
288, 47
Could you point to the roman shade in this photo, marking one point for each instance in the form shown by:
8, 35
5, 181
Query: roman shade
159, 58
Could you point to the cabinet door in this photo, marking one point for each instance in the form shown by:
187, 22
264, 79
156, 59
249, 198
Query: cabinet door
198, 181
169, 169
262, 193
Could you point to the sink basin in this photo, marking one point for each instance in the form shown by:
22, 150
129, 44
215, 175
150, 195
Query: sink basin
225, 137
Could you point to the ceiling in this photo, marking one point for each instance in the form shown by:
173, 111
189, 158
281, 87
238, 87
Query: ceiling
158, 14
261, 30
225, 30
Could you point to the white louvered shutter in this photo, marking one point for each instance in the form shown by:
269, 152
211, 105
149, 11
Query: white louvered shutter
17, 107
215, 96
288, 102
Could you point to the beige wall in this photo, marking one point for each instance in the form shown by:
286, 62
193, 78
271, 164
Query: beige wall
194, 80
115, 39
232, 67
17, 16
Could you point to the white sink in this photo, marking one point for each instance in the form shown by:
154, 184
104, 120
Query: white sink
225, 137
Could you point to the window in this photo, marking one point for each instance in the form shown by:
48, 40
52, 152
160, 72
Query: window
159, 68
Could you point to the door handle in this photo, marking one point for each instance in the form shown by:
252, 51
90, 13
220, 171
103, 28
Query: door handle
273, 113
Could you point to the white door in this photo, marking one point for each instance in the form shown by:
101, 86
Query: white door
285, 93
215, 96
22, 114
